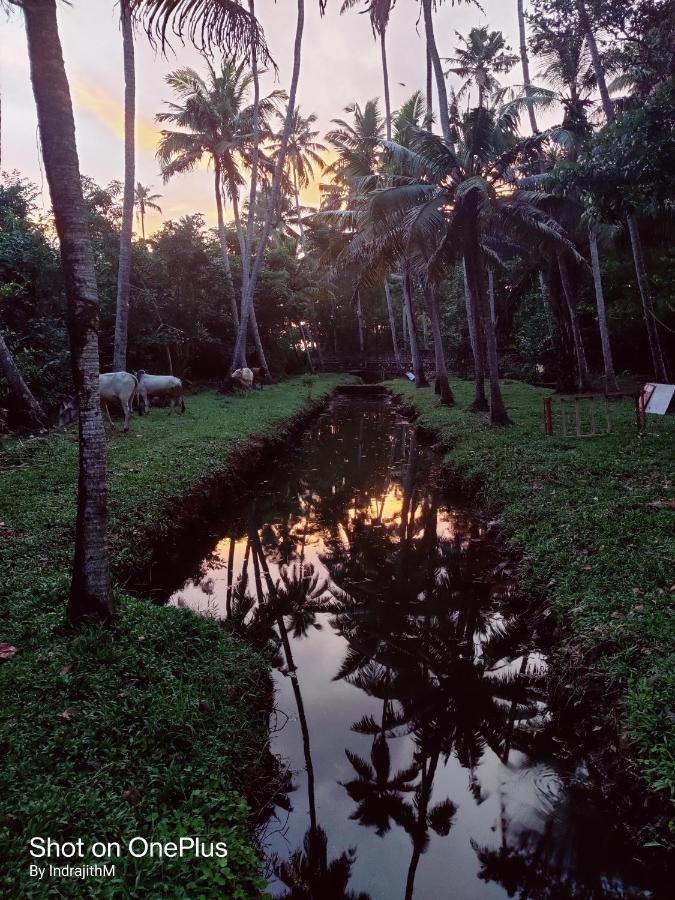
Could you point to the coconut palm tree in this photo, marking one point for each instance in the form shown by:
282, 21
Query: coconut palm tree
215, 121
126, 231
303, 156
482, 54
90, 591
525, 64
658, 360
460, 202
379, 12
143, 201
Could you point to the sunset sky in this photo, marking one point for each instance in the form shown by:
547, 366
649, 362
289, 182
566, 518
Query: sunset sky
341, 64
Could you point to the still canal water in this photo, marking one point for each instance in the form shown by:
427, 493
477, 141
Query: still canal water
410, 693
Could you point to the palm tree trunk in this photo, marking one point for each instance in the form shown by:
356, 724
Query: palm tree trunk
296, 192
224, 255
658, 361
126, 231
404, 327
480, 403
18, 386
385, 76
491, 296
598, 68
579, 351
610, 376
498, 413
442, 385
90, 591
418, 364
310, 362
359, 320
142, 220
525, 63
392, 323
432, 50
429, 118
249, 291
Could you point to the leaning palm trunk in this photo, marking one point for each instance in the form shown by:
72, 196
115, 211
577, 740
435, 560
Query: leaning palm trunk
418, 365
498, 413
442, 385
385, 76
480, 403
392, 324
610, 376
90, 591
18, 386
126, 231
248, 291
222, 239
658, 361
432, 50
525, 63
579, 351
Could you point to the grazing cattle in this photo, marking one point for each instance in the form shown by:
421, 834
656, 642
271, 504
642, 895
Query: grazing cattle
120, 386
260, 376
166, 386
243, 377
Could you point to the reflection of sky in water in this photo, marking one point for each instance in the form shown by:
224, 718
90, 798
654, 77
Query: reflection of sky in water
338, 505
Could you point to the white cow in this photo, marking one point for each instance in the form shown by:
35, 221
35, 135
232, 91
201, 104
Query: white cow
120, 386
243, 377
160, 386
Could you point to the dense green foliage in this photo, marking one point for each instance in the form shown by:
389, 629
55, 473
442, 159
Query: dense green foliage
141, 728
588, 516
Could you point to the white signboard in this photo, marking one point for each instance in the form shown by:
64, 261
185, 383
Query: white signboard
658, 397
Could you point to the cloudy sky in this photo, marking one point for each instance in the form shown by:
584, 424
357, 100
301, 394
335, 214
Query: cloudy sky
341, 64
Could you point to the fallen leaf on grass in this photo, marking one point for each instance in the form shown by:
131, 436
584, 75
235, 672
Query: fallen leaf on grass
7, 651
65, 669
68, 714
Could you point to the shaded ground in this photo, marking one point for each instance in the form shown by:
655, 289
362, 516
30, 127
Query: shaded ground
594, 521
154, 726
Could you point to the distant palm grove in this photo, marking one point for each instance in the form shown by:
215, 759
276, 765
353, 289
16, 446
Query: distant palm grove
456, 235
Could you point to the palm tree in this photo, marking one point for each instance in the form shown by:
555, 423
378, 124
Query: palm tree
303, 155
483, 53
658, 360
215, 122
90, 591
143, 201
525, 63
124, 266
379, 12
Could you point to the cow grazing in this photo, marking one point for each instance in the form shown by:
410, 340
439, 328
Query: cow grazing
243, 378
260, 376
166, 386
120, 386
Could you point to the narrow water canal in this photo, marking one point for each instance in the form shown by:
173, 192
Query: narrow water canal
410, 693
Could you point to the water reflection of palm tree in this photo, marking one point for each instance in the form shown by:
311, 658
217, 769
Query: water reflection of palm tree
309, 875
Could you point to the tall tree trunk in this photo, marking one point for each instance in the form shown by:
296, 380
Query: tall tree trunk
429, 117
598, 68
498, 413
90, 591
491, 296
126, 231
359, 321
385, 76
18, 386
432, 50
579, 351
222, 239
525, 63
142, 220
392, 324
610, 376
249, 291
442, 385
658, 361
633, 228
480, 403
562, 334
418, 364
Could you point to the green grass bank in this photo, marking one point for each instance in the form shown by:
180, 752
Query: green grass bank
594, 521
152, 727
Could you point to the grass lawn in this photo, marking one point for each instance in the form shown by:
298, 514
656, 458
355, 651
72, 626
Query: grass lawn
151, 727
588, 516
